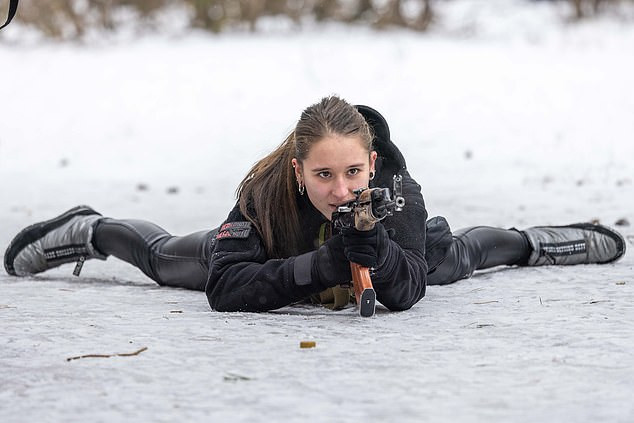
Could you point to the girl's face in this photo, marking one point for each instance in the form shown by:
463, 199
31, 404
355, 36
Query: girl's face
335, 167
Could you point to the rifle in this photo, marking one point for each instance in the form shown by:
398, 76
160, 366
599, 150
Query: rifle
370, 206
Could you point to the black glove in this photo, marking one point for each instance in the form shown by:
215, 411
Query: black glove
330, 265
367, 248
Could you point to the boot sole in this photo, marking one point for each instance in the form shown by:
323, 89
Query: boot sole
38, 230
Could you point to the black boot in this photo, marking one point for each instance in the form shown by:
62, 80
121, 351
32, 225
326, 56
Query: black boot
581, 243
44, 245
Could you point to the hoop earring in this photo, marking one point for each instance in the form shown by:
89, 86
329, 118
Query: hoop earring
371, 175
301, 188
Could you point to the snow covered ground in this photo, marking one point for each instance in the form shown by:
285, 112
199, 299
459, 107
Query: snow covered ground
507, 115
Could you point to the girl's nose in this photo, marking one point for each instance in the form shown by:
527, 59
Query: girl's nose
340, 189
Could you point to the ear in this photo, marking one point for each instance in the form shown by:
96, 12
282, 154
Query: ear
373, 156
297, 166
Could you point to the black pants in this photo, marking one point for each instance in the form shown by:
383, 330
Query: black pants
182, 261
477, 248
179, 261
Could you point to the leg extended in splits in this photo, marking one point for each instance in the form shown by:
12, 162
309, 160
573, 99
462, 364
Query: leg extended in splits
81, 233
178, 261
480, 247
483, 247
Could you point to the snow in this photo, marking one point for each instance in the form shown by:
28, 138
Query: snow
508, 115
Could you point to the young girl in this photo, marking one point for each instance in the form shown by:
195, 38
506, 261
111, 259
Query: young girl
277, 247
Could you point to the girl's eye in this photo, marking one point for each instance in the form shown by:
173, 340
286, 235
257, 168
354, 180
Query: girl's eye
324, 174
354, 171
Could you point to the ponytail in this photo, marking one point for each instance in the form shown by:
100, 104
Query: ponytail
267, 198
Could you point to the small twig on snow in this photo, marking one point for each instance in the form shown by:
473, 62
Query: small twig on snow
137, 352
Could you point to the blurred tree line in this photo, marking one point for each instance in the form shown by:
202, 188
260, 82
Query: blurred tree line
72, 18
583, 8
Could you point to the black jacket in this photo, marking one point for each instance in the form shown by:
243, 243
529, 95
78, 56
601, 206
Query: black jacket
243, 278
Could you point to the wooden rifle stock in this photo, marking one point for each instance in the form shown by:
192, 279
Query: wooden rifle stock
361, 281
363, 290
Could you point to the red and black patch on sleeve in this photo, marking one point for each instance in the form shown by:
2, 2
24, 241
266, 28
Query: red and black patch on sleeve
234, 230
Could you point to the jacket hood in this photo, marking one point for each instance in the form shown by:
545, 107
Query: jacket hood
390, 155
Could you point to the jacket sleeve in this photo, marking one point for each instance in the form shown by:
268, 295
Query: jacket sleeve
400, 282
242, 277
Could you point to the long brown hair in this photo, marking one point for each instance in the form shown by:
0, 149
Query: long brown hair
268, 194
